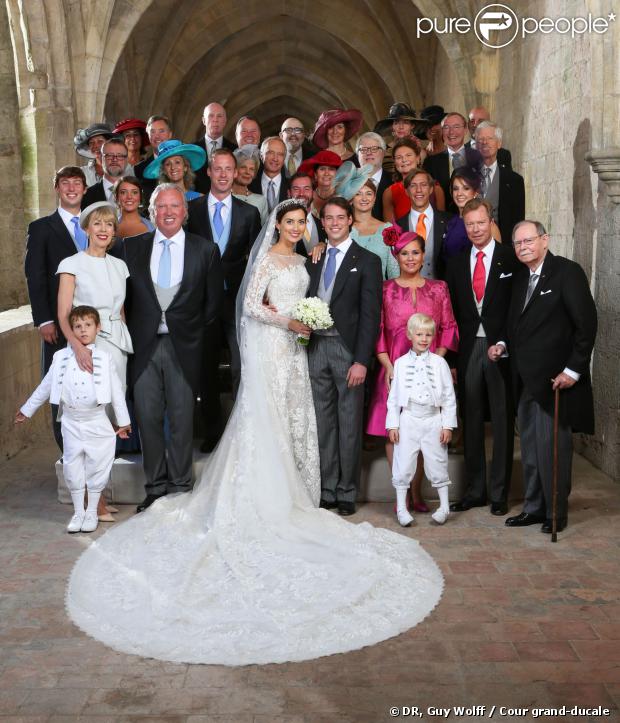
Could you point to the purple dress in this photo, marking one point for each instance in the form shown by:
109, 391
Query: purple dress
433, 299
455, 239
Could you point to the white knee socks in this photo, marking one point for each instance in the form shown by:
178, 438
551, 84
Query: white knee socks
444, 503
78, 502
401, 499
93, 501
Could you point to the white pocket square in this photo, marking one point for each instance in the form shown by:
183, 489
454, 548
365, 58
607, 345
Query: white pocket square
505, 276
542, 293
352, 270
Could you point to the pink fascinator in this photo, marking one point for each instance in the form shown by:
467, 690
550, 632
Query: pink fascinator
396, 238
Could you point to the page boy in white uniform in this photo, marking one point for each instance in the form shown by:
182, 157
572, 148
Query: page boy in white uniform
88, 436
421, 414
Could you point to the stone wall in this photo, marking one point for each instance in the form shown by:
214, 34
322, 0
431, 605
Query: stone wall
20, 372
12, 284
551, 108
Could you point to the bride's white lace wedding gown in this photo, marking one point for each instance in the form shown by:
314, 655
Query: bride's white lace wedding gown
246, 568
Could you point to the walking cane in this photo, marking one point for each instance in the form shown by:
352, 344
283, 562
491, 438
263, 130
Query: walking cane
554, 490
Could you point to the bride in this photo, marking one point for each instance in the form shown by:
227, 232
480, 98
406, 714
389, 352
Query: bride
246, 569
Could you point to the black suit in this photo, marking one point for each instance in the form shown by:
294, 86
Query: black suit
478, 378
256, 185
440, 222
194, 308
503, 155
556, 330
384, 182
47, 243
355, 307
356, 299
202, 182
511, 206
93, 194
165, 369
148, 184
438, 166
245, 227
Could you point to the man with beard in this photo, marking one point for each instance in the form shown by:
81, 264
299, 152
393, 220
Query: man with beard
114, 159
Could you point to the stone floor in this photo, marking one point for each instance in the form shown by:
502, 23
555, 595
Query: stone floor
523, 624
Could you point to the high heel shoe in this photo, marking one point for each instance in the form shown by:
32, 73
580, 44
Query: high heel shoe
106, 518
420, 507
110, 509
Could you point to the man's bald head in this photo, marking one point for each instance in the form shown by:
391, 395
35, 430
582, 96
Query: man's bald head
214, 119
292, 133
475, 117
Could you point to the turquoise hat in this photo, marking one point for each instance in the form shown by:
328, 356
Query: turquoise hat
196, 156
349, 179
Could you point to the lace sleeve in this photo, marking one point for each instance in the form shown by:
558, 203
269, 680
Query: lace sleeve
256, 297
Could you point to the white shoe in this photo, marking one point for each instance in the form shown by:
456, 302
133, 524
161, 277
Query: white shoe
75, 523
404, 518
90, 522
440, 516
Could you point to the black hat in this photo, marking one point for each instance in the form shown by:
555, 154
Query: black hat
433, 114
398, 111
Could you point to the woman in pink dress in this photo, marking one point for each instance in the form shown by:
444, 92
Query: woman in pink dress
403, 296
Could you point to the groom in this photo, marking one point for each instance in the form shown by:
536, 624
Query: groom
348, 278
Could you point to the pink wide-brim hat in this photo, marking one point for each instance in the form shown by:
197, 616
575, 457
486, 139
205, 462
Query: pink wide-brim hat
351, 118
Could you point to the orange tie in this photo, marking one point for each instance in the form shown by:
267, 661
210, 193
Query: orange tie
420, 229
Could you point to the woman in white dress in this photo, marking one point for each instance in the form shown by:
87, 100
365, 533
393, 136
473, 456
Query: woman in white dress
246, 569
94, 278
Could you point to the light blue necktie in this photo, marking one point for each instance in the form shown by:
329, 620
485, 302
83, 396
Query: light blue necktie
81, 239
165, 266
218, 221
330, 267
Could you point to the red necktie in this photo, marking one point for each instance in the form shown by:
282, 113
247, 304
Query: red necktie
479, 276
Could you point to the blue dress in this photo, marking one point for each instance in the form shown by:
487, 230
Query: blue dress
374, 243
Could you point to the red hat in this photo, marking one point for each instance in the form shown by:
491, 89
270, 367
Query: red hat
130, 124
322, 158
352, 120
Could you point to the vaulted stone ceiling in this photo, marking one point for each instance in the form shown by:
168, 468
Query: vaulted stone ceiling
270, 58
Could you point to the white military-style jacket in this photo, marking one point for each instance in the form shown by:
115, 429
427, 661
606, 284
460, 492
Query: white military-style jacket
441, 389
108, 387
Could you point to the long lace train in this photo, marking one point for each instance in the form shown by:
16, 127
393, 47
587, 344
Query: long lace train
246, 569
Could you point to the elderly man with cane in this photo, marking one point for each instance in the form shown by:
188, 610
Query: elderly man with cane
550, 333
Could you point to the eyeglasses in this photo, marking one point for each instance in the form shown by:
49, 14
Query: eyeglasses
293, 131
370, 149
454, 128
115, 156
525, 241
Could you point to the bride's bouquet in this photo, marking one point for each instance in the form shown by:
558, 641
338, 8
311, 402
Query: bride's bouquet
312, 312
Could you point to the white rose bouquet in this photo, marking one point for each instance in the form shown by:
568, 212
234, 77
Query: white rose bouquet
312, 312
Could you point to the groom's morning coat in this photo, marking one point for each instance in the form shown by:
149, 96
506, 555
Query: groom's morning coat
356, 299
